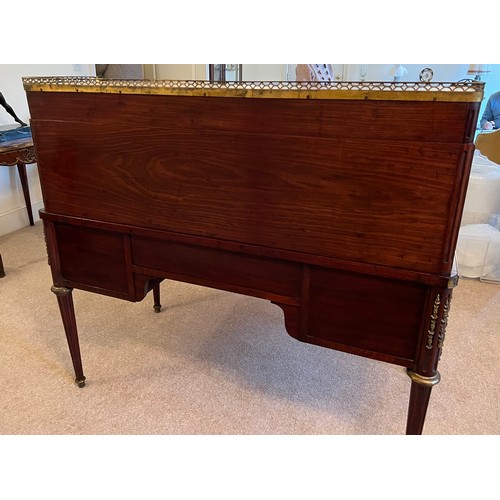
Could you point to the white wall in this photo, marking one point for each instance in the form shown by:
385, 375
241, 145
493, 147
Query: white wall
180, 71
264, 72
13, 213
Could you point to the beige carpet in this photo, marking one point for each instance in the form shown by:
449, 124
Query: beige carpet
219, 363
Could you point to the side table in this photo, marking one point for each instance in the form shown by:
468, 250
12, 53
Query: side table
20, 152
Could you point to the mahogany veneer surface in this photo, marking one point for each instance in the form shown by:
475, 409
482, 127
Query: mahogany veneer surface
346, 179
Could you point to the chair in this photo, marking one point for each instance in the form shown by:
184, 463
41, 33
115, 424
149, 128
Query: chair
489, 145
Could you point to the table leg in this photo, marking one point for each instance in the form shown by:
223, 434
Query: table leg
2, 272
424, 376
156, 296
419, 400
21, 168
66, 307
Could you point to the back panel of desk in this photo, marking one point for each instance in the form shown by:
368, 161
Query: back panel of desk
374, 182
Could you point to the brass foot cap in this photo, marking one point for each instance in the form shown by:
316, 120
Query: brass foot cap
80, 382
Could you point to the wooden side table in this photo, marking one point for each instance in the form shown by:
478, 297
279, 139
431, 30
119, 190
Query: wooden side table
20, 152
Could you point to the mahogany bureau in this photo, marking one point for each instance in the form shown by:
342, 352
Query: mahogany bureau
340, 202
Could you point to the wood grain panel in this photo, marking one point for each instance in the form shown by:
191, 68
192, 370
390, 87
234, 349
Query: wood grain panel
389, 120
218, 267
92, 257
376, 202
349, 180
373, 314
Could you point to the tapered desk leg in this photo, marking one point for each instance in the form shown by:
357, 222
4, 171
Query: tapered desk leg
156, 297
420, 393
65, 300
21, 168
425, 375
2, 272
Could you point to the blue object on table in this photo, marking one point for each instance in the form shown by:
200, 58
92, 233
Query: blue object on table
11, 134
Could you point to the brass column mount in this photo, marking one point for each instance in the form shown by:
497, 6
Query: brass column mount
444, 324
422, 380
432, 327
60, 290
